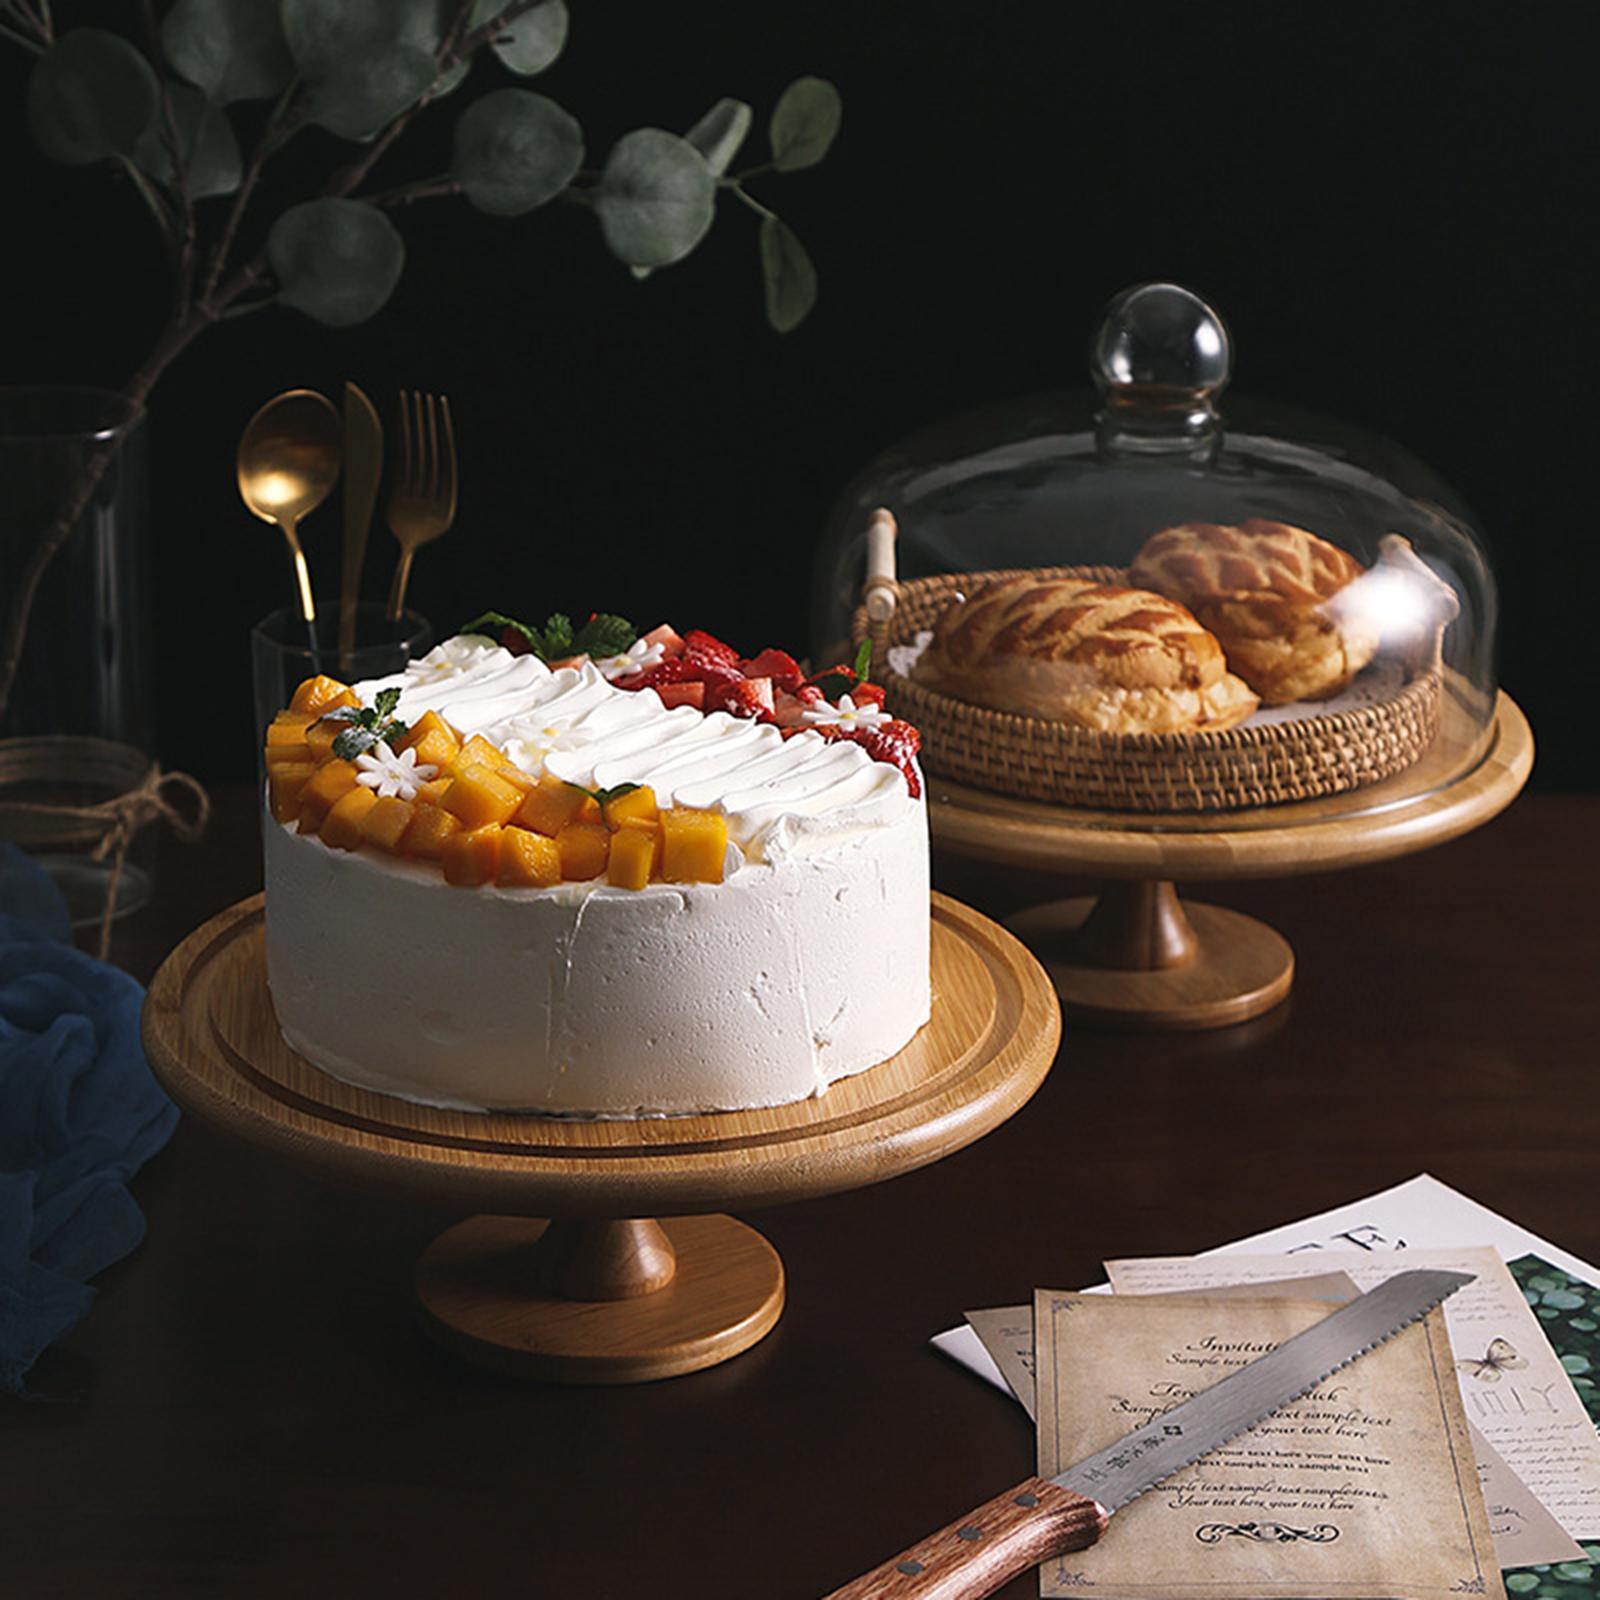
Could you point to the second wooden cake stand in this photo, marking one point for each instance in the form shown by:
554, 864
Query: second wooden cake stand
1136, 957
606, 1293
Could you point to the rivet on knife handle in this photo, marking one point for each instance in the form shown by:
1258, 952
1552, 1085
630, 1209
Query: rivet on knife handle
974, 1556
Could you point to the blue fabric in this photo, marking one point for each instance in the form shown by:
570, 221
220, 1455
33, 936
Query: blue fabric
80, 1113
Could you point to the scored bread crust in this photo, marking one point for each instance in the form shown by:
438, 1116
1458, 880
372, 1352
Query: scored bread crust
1261, 587
1096, 655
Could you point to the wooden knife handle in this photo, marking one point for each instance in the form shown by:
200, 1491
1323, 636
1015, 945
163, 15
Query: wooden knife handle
974, 1556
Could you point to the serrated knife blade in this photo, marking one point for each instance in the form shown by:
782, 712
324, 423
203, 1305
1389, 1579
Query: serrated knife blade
1045, 1517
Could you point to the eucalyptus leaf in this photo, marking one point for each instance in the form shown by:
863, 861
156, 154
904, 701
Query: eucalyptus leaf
789, 277
529, 43
91, 95
720, 132
805, 123
211, 151
515, 150
336, 260
365, 61
232, 49
655, 199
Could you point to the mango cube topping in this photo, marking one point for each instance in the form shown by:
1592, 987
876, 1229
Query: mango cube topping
341, 828
471, 856
528, 860
636, 806
385, 824
319, 695
480, 796
694, 845
583, 847
434, 740
483, 819
551, 804
634, 854
427, 832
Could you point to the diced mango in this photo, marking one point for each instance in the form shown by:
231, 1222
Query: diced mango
479, 752
432, 792
437, 744
289, 754
551, 804
285, 781
472, 856
427, 832
328, 784
341, 828
528, 860
319, 695
694, 845
633, 855
480, 796
385, 824
320, 736
636, 806
286, 738
583, 847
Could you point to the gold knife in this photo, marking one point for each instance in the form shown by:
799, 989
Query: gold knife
363, 467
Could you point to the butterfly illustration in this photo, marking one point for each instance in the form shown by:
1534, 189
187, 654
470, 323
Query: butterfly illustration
1501, 1356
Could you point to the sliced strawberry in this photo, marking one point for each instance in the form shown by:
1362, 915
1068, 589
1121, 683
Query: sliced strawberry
896, 742
707, 650
568, 661
516, 641
674, 670
867, 694
667, 637
682, 694
778, 665
743, 697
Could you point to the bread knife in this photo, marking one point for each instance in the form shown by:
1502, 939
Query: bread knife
1042, 1518
363, 467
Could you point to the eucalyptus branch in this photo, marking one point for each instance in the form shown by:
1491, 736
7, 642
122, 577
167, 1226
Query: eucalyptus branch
160, 208
735, 188
17, 36
406, 193
280, 124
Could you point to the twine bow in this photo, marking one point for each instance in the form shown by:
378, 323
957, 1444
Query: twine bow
111, 824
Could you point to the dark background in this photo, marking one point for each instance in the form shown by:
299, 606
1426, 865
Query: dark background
1386, 203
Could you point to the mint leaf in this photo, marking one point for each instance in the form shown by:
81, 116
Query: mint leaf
383, 706
498, 622
606, 635
354, 742
863, 661
558, 639
343, 714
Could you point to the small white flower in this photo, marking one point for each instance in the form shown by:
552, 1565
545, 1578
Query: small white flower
847, 714
392, 775
635, 658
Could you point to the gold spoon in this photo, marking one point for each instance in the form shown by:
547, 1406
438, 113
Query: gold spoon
288, 462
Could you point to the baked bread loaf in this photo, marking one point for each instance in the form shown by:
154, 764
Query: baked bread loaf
1262, 588
1095, 655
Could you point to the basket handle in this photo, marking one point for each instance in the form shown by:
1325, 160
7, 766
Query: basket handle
881, 592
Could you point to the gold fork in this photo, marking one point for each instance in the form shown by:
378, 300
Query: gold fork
422, 502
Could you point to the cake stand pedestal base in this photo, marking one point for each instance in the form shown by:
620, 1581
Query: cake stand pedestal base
1139, 958
600, 1301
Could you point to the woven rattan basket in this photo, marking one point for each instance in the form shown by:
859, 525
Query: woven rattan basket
1229, 770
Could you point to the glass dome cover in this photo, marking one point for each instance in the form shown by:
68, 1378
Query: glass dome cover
1343, 582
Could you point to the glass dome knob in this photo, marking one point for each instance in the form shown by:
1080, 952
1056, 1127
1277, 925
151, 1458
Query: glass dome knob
1160, 349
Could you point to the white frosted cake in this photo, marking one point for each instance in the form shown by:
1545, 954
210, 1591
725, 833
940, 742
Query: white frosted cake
569, 887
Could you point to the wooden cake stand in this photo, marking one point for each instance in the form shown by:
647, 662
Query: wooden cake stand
1136, 957
605, 1293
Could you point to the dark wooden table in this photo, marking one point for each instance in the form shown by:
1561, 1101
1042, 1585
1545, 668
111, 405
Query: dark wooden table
256, 1414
